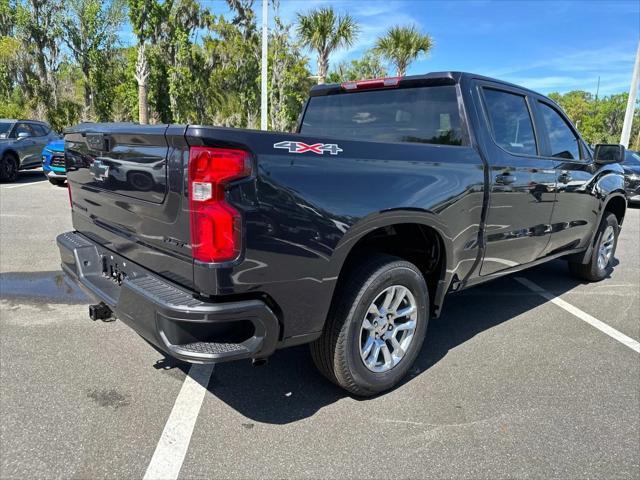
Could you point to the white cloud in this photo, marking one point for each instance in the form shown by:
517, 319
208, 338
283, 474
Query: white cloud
575, 70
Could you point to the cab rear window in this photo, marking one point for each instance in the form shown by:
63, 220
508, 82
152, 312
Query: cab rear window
420, 115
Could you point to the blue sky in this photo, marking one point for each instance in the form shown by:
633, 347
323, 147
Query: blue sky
544, 45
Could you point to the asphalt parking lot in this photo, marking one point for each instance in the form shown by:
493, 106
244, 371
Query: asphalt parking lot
508, 385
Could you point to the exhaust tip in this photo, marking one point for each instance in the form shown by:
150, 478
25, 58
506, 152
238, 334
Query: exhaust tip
259, 362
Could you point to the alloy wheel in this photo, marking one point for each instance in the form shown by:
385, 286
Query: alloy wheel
606, 247
388, 328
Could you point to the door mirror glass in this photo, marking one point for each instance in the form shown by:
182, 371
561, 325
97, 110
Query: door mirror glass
609, 153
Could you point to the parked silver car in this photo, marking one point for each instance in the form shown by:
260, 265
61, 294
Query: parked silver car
21, 144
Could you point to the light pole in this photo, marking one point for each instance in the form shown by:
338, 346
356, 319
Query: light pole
263, 75
631, 102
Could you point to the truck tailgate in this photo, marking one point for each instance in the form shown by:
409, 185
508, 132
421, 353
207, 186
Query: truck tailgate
126, 183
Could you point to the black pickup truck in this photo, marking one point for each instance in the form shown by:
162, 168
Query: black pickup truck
219, 244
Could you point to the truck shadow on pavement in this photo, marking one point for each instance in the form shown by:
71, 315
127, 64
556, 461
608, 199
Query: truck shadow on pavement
289, 388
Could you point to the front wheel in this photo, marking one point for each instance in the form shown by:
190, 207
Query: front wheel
599, 265
8, 168
376, 326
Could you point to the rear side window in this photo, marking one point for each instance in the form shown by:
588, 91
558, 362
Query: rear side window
39, 130
562, 140
510, 121
421, 115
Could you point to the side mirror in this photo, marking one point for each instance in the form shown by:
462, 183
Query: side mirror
23, 135
609, 153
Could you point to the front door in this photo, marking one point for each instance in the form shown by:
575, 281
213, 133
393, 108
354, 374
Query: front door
27, 146
576, 209
522, 182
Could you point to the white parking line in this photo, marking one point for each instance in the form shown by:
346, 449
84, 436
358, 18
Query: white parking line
22, 185
594, 322
174, 442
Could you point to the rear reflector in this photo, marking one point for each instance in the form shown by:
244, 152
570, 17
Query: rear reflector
389, 82
215, 225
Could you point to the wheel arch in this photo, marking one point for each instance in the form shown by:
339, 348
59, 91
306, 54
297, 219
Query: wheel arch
368, 234
12, 152
616, 204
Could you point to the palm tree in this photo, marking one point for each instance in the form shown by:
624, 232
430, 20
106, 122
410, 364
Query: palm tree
324, 31
402, 45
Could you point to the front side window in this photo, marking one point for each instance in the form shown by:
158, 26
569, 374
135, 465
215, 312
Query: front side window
562, 141
510, 121
421, 115
23, 128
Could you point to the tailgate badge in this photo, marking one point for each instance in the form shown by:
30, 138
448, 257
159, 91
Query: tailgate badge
300, 147
100, 170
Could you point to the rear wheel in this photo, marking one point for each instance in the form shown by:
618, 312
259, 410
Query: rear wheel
599, 265
376, 326
8, 168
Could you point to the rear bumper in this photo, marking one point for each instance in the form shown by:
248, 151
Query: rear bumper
167, 316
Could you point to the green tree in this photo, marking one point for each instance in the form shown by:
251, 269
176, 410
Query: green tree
232, 55
289, 78
325, 32
12, 105
39, 30
184, 60
124, 107
599, 121
90, 28
402, 45
146, 18
7, 18
369, 66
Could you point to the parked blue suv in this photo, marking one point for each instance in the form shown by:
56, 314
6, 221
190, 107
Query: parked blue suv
53, 162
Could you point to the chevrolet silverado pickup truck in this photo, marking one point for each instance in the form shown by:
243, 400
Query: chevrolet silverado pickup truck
219, 244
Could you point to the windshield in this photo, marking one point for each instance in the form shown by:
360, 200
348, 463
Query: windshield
5, 128
632, 158
423, 115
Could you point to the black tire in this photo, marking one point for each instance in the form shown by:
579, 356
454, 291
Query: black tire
58, 182
9, 168
337, 353
594, 271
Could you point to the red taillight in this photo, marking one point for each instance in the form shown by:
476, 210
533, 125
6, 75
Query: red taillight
215, 225
389, 82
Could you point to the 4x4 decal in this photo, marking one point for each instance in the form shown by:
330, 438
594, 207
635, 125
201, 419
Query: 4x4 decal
300, 147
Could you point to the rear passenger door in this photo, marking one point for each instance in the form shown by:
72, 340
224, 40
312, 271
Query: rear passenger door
576, 209
521, 180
